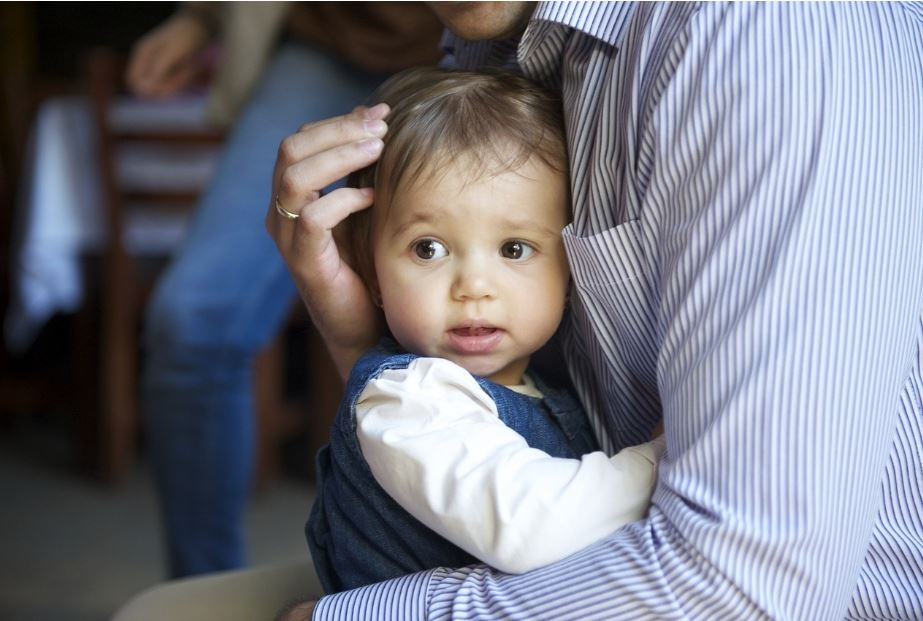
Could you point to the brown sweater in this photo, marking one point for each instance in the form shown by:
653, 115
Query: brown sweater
377, 36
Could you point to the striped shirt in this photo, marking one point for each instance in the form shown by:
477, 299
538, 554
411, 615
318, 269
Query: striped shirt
747, 252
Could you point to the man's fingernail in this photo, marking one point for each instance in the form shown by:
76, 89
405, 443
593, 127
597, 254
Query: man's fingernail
371, 146
375, 127
378, 111
367, 192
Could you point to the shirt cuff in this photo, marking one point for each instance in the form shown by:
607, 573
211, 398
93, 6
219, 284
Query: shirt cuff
400, 599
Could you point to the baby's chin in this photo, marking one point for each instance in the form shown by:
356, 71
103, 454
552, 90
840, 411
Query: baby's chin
497, 373
490, 365
476, 365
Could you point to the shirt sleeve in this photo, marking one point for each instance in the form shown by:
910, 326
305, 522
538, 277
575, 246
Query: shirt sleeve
434, 442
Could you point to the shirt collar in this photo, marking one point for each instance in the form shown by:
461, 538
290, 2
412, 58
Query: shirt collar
602, 20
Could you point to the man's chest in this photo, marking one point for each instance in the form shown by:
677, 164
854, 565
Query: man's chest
610, 97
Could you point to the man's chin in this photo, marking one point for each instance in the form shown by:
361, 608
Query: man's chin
478, 21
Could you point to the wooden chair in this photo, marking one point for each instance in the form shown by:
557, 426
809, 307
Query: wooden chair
107, 336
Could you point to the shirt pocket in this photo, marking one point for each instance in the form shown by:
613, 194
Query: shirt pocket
608, 258
613, 310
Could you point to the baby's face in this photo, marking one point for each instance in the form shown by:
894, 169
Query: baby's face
475, 271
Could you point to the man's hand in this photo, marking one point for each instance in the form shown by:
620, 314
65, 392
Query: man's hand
166, 59
297, 612
317, 155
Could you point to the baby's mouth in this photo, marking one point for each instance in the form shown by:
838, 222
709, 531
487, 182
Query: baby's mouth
474, 331
474, 339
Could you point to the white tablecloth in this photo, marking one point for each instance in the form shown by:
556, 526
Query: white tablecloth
60, 211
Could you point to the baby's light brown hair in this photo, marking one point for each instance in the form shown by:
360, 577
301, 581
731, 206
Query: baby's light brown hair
496, 120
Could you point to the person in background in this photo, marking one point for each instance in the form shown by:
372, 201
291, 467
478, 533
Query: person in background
745, 248
227, 293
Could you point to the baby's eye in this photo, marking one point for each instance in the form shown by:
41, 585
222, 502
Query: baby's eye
516, 250
429, 249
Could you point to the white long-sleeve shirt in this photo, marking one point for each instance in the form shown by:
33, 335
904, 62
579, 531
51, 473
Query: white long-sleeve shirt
433, 440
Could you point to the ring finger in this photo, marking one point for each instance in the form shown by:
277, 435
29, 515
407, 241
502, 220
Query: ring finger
298, 183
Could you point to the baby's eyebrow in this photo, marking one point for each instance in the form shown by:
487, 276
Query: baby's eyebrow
417, 217
528, 225
431, 217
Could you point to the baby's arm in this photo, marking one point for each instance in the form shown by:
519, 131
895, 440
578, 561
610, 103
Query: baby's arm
434, 442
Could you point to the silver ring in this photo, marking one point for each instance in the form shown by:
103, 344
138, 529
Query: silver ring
283, 212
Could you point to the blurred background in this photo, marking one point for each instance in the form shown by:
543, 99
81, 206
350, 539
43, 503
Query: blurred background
95, 191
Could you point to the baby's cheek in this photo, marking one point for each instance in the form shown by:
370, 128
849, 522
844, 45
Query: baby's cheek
409, 324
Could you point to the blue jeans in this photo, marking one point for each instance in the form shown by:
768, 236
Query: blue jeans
223, 297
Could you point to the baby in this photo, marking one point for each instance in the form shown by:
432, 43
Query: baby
448, 449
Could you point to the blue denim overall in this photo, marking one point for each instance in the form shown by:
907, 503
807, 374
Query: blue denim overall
358, 534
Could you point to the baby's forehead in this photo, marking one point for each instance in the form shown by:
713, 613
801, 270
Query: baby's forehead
459, 192
465, 168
